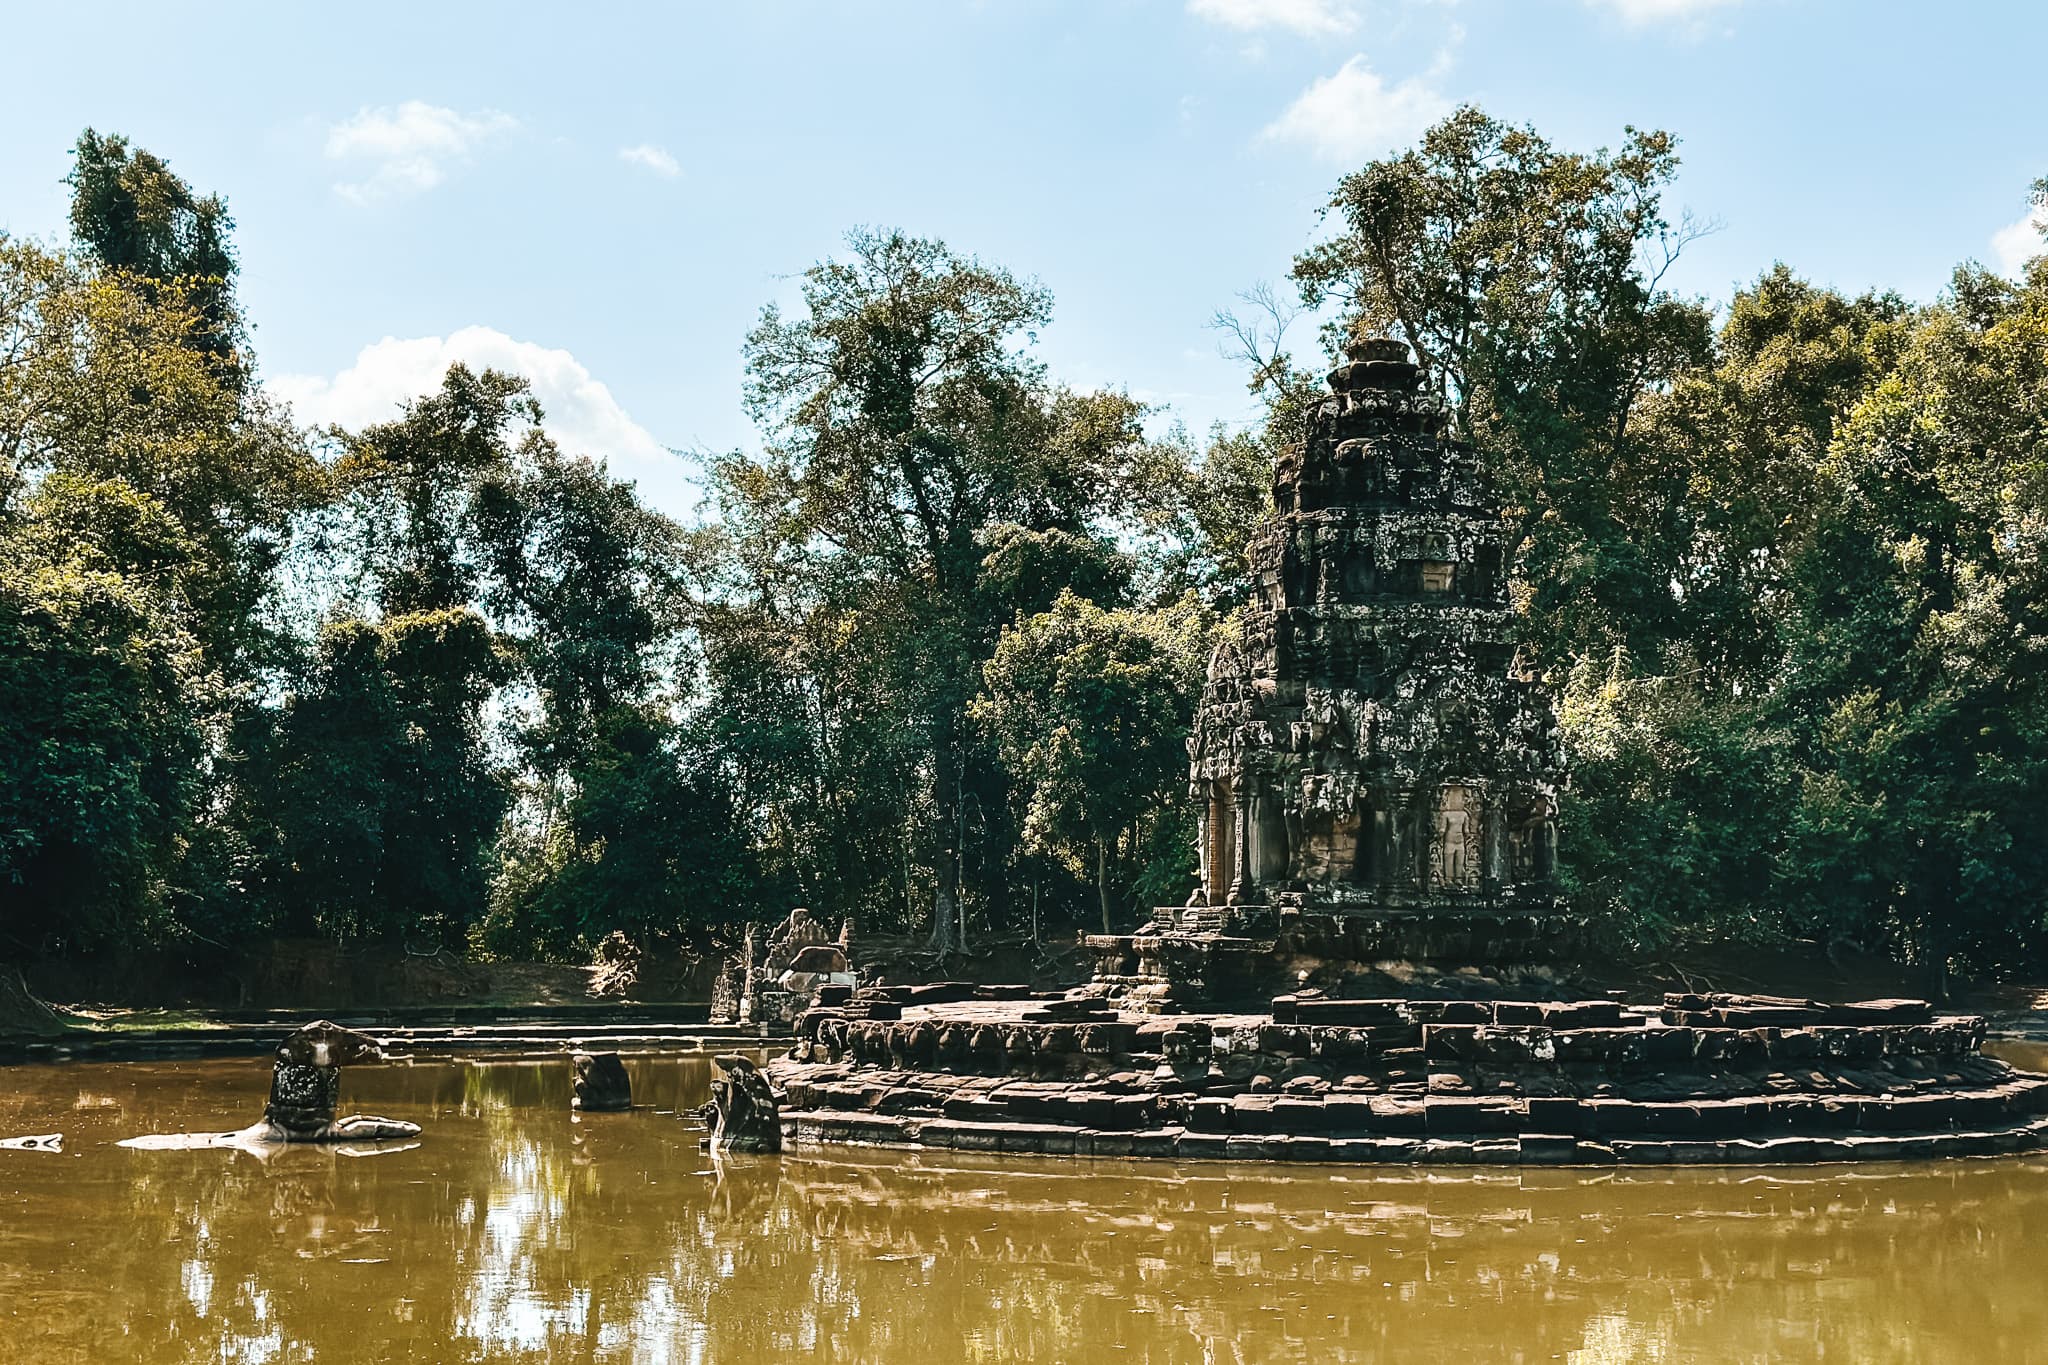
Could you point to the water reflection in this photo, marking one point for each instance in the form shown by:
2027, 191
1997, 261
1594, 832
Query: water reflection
517, 1232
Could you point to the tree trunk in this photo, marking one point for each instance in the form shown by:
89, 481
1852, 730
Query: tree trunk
945, 939
1102, 880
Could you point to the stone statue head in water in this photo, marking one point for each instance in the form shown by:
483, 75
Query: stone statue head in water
305, 1092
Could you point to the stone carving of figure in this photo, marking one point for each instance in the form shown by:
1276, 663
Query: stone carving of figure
1454, 860
745, 1117
305, 1088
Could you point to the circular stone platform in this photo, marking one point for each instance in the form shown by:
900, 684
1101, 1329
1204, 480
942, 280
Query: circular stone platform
1699, 1079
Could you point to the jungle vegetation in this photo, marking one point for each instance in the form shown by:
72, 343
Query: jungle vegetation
928, 652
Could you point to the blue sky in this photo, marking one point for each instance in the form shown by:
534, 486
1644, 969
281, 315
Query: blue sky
604, 196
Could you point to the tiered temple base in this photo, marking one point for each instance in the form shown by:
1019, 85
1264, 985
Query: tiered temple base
1703, 1079
1189, 956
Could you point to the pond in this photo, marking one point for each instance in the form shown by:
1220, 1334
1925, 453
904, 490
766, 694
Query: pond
513, 1231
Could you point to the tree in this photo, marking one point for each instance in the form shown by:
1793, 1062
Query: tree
906, 421
377, 796
105, 697
99, 381
383, 802
1090, 709
1915, 675
646, 842
1678, 808
135, 217
1527, 281
142, 496
416, 485
1743, 440
628, 823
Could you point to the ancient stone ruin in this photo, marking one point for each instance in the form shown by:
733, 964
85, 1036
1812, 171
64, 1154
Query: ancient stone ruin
599, 1083
743, 1107
1379, 779
1380, 783
305, 1097
1697, 1079
305, 1089
775, 985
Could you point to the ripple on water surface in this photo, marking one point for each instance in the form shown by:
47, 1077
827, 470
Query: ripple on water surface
515, 1232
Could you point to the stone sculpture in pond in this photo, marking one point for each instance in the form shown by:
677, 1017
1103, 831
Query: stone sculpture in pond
305, 1095
1379, 780
601, 1084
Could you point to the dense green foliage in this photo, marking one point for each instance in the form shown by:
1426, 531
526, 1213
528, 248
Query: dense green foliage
930, 657
1089, 709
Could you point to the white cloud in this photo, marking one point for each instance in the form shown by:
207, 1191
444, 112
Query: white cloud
1354, 113
582, 415
653, 158
2017, 243
1312, 18
1640, 12
408, 146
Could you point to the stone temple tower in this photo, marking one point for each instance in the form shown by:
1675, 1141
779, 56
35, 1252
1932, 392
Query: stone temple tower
1378, 777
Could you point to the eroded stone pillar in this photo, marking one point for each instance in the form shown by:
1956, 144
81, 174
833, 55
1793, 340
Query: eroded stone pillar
1217, 878
1493, 836
1240, 842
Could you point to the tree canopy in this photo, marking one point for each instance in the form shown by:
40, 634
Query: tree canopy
928, 656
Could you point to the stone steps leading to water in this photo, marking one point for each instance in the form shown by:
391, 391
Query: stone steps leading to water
510, 1037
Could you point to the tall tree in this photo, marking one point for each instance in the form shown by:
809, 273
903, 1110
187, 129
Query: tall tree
1528, 283
627, 821
107, 699
133, 215
378, 794
132, 472
1915, 680
1090, 709
907, 418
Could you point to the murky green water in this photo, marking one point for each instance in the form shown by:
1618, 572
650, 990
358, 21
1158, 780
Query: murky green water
514, 1232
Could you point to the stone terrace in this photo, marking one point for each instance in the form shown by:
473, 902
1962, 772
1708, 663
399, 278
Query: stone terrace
1703, 1078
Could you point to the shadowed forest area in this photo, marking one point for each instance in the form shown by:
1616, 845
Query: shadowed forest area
927, 655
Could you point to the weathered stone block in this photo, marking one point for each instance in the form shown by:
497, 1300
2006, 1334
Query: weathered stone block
1448, 1011
1458, 1114
1547, 1149
1298, 1147
1555, 1114
1100, 1143
965, 1137
1585, 1014
1162, 1142
1399, 1114
1284, 1040
1351, 1013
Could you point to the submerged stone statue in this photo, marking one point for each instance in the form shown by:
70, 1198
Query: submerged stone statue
602, 1085
305, 1091
305, 1088
744, 1115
